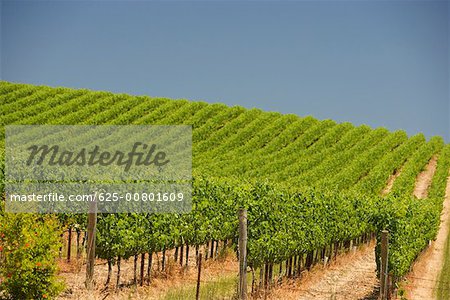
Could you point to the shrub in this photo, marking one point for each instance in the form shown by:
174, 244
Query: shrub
29, 247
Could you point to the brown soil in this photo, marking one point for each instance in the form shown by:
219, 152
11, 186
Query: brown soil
421, 282
390, 182
423, 180
175, 277
351, 276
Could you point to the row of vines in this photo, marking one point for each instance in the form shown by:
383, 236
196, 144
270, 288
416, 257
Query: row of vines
309, 186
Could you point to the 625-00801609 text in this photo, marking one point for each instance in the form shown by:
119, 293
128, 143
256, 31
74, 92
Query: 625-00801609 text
99, 196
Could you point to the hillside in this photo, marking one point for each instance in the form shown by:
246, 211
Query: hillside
309, 185
233, 141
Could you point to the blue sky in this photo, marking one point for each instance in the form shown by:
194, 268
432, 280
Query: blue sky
382, 63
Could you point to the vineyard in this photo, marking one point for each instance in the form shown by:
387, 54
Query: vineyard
310, 187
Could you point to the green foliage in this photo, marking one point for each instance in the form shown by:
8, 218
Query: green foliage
413, 222
306, 183
404, 184
29, 247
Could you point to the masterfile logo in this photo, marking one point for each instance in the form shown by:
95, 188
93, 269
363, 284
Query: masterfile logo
54, 156
124, 168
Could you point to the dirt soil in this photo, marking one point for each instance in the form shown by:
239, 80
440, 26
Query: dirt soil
175, 277
423, 180
421, 282
351, 276
390, 182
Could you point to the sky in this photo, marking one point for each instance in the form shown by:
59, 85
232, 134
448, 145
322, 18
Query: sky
381, 63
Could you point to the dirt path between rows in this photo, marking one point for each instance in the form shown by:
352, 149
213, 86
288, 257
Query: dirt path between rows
390, 182
423, 180
422, 279
351, 276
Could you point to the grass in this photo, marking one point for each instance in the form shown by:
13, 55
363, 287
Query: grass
222, 288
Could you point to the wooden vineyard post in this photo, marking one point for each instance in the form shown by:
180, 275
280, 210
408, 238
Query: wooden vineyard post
91, 228
242, 254
384, 265
135, 269
142, 268
199, 264
163, 262
149, 267
78, 244
181, 254
69, 243
186, 265
61, 236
